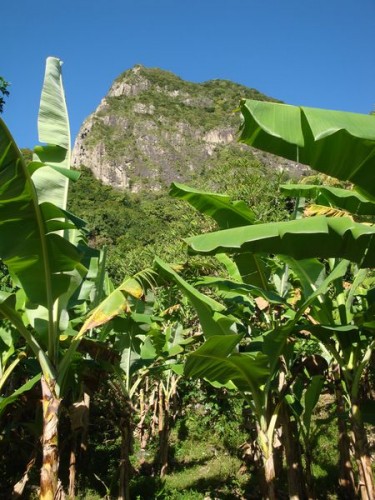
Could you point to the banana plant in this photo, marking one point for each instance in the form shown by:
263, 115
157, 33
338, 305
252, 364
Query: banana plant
127, 335
323, 140
301, 402
349, 339
248, 289
260, 370
147, 348
169, 344
338, 144
43, 252
327, 313
41, 263
219, 362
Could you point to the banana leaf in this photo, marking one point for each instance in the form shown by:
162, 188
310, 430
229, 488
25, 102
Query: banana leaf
225, 212
301, 239
5, 401
210, 312
336, 143
118, 302
10, 312
226, 285
351, 201
217, 361
346, 334
113, 305
39, 260
51, 182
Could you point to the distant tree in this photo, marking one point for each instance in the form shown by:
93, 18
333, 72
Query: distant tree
27, 154
3, 92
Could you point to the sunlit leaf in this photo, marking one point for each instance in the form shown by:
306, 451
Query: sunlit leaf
116, 303
225, 212
304, 238
344, 199
210, 312
336, 143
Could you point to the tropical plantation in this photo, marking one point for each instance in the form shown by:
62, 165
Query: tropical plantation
215, 342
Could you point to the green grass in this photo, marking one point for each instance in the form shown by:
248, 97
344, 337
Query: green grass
210, 474
199, 469
202, 463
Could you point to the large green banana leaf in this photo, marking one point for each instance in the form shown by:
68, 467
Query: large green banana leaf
53, 121
53, 125
34, 253
31, 223
210, 312
352, 202
225, 212
304, 238
217, 361
337, 143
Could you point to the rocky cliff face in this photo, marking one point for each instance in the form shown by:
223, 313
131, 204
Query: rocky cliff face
153, 128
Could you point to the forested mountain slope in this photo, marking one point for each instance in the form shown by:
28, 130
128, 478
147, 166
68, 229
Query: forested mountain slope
137, 226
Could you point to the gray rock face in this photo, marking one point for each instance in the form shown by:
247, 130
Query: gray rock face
153, 128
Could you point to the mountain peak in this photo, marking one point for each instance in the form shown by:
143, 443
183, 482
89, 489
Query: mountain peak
153, 127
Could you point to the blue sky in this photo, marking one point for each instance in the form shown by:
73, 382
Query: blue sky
316, 53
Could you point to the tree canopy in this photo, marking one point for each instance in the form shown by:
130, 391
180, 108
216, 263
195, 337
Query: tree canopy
3, 92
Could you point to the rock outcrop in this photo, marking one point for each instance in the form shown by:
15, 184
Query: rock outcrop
153, 128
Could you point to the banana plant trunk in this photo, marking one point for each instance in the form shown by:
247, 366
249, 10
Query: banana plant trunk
49, 481
163, 431
361, 446
268, 484
126, 430
346, 475
79, 423
143, 428
293, 458
269, 476
125, 465
73, 467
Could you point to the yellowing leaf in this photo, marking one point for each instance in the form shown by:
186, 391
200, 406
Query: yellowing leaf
116, 303
313, 210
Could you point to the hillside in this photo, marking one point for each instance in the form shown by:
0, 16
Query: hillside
137, 226
153, 128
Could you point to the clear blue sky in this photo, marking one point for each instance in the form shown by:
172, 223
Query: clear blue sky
316, 53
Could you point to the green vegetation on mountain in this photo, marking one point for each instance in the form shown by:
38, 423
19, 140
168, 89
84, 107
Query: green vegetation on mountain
204, 104
137, 226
